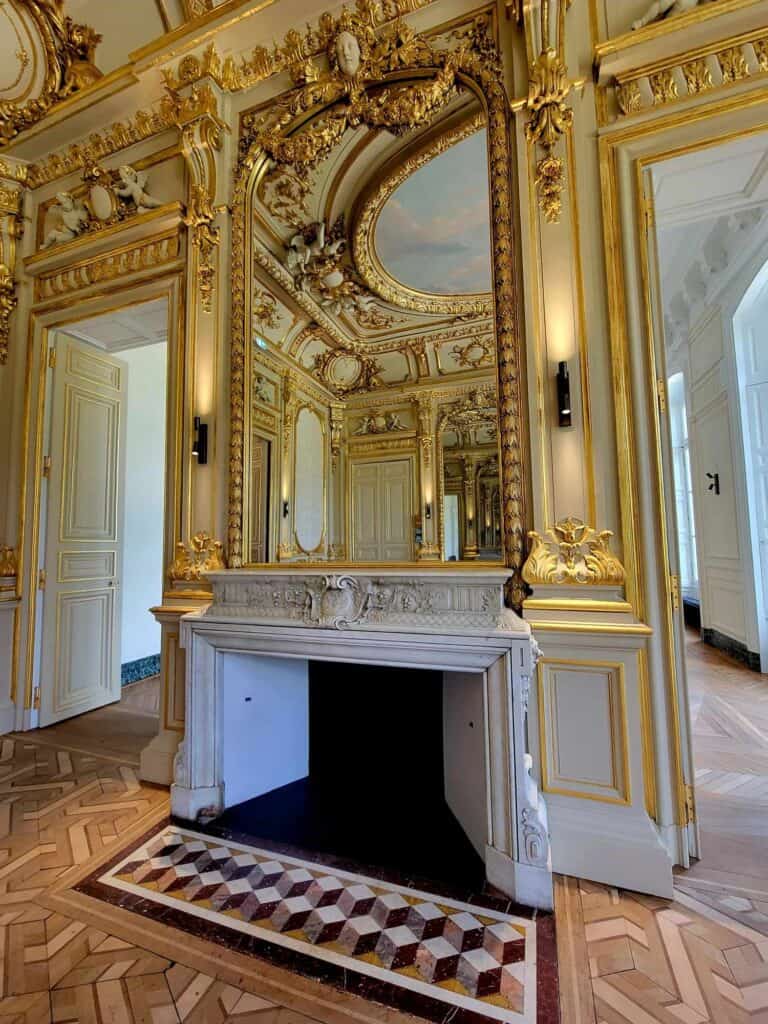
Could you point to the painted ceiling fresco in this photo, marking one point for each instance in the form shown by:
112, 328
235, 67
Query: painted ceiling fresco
433, 233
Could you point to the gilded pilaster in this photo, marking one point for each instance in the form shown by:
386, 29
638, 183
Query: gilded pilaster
199, 104
12, 178
428, 469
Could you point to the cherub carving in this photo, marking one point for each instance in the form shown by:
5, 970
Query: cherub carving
133, 187
664, 9
71, 217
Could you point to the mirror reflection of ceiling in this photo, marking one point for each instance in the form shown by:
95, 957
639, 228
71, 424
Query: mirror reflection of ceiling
433, 233
322, 297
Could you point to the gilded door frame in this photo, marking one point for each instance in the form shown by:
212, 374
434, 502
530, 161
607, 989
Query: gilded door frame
44, 319
625, 153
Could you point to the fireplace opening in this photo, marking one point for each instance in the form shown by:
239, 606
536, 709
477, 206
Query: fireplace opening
384, 764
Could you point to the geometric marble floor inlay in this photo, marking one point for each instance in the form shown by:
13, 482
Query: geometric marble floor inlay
461, 960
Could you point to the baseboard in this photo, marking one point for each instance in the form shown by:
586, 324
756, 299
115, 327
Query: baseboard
734, 648
142, 668
624, 850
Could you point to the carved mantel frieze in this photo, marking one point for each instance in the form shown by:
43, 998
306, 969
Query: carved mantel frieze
356, 599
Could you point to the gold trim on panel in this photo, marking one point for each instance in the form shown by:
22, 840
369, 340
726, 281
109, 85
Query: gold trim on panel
649, 739
621, 781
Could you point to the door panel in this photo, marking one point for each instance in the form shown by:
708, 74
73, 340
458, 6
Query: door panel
382, 511
80, 663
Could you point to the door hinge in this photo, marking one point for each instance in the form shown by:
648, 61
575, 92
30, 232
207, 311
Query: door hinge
51, 358
674, 591
41, 580
661, 391
690, 805
47, 463
648, 214
36, 699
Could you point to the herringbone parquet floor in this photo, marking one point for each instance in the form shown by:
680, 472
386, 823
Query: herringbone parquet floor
59, 811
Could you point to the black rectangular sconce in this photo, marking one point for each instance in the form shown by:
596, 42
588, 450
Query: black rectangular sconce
563, 395
428, 510
285, 509
200, 444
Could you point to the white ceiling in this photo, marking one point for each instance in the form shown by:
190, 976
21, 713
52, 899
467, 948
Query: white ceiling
144, 324
693, 191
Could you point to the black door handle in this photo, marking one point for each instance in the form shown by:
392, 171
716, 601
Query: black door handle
715, 485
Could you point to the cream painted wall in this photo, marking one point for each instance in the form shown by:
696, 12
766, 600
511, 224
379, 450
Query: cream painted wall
144, 481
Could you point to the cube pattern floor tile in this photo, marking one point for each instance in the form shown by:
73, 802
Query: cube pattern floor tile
455, 954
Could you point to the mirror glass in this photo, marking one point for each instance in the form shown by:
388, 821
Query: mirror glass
372, 422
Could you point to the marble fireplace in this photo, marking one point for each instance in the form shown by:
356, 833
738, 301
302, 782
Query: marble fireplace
247, 658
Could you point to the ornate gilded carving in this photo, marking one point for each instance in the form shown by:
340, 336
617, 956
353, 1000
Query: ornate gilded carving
285, 194
346, 372
551, 117
155, 252
475, 60
264, 310
70, 50
572, 552
8, 303
663, 86
697, 76
379, 423
8, 563
202, 554
475, 353
733, 64
760, 47
628, 97
206, 238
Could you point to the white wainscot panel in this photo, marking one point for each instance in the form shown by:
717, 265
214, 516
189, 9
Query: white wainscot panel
585, 739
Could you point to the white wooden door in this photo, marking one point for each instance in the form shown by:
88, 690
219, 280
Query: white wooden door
382, 511
80, 658
690, 847
755, 366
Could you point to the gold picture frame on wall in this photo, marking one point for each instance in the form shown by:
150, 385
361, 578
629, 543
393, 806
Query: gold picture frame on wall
397, 81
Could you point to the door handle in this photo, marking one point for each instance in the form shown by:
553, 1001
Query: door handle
715, 485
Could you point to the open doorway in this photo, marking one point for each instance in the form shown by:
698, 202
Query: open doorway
708, 261
102, 527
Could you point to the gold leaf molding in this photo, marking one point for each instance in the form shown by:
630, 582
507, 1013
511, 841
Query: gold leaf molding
572, 552
202, 554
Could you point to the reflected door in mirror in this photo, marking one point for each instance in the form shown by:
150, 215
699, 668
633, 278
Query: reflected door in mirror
260, 463
382, 511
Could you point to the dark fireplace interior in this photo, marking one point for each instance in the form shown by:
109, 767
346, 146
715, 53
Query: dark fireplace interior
374, 799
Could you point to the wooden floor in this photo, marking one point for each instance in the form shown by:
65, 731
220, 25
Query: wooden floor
704, 956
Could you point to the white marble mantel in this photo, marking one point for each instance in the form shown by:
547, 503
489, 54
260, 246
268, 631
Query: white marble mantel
433, 618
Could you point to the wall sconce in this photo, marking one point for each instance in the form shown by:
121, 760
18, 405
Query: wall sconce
200, 443
428, 510
563, 395
285, 508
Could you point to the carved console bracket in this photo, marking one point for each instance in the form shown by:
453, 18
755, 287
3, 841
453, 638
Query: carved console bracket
574, 553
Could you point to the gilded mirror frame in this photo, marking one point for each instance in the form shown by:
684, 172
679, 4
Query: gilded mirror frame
408, 61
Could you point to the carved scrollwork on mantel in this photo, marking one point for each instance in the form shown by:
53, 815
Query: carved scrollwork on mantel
202, 554
573, 553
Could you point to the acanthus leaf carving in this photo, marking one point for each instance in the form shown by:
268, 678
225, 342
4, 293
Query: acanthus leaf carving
574, 553
202, 554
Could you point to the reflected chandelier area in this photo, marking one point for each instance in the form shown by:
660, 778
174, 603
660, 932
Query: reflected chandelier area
372, 415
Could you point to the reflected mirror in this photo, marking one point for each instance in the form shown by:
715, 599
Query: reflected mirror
371, 428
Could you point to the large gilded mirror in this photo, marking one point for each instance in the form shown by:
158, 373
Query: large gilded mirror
372, 228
